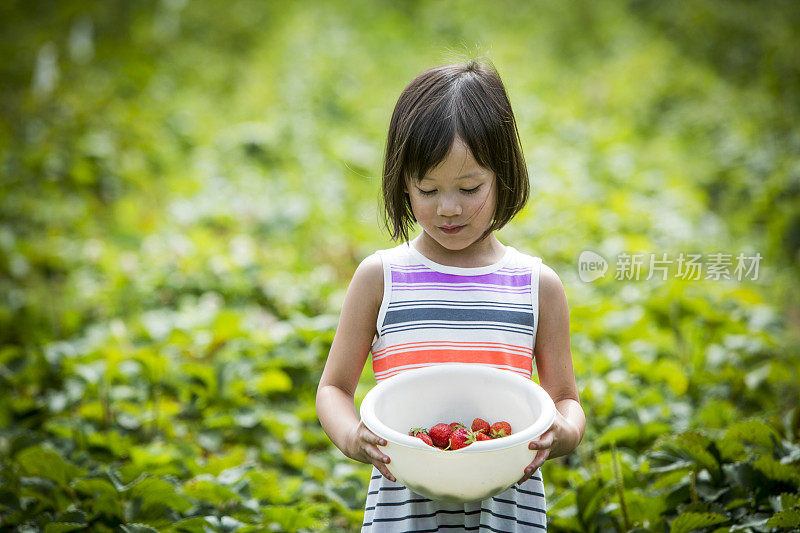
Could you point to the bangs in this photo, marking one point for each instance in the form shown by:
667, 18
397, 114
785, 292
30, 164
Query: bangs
429, 142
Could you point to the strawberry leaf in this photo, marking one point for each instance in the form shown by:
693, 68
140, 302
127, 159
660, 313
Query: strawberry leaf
690, 521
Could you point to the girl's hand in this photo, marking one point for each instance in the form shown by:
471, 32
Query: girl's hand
363, 447
550, 443
543, 444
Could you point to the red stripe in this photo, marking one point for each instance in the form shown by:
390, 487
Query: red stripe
449, 343
490, 357
525, 372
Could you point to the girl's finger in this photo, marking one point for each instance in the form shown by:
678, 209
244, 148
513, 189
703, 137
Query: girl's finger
376, 454
539, 460
372, 437
385, 472
545, 441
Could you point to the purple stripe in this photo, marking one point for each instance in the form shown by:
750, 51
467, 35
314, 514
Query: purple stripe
423, 268
520, 280
452, 288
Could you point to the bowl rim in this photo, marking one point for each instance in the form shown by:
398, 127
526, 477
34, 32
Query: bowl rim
392, 436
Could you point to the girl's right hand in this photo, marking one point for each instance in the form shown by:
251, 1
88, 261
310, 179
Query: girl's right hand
363, 446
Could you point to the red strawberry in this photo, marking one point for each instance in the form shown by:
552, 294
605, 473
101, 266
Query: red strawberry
456, 425
440, 435
425, 438
500, 429
421, 433
461, 438
480, 435
479, 424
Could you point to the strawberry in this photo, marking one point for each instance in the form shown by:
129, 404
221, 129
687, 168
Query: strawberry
480, 425
500, 429
425, 438
461, 438
421, 433
456, 425
480, 435
440, 435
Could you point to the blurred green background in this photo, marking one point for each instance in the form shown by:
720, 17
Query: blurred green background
187, 186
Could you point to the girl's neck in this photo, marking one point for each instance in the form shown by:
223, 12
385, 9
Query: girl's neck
478, 254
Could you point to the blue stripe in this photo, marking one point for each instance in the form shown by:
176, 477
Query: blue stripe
452, 303
423, 314
465, 513
526, 507
428, 515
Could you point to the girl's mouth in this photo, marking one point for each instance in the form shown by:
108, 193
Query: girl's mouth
450, 230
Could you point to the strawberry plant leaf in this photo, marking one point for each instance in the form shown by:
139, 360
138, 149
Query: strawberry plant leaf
195, 524
292, 519
687, 522
777, 471
156, 493
210, 491
624, 435
785, 519
752, 431
788, 500
38, 461
695, 445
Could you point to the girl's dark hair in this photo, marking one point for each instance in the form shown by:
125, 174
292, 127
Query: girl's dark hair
467, 101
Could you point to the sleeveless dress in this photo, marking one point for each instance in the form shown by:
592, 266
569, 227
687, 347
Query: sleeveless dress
437, 314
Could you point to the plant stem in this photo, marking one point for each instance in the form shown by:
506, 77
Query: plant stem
620, 486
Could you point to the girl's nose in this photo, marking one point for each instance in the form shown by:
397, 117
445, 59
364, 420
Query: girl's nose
448, 207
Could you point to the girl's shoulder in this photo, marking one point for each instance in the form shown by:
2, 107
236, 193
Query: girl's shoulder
367, 281
550, 285
551, 288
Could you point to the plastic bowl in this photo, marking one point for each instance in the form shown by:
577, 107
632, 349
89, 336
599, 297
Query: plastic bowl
456, 392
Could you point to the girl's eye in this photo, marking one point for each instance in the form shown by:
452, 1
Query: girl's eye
432, 192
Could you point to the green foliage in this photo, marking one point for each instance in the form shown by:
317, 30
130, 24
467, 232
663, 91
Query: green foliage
188, 186
687, 522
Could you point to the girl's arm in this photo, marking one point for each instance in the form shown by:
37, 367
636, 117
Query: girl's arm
556, 375
351, 345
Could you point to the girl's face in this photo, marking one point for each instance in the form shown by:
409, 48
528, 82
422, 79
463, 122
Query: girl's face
455, 201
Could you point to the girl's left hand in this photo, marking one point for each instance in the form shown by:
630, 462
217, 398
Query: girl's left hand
545, 444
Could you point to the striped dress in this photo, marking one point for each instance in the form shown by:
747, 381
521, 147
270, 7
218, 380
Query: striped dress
437, 314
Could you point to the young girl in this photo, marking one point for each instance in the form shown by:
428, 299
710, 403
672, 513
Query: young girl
452, 294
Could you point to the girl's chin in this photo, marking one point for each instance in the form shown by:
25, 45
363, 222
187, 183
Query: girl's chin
453, 243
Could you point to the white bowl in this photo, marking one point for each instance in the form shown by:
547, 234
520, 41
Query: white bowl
455, 392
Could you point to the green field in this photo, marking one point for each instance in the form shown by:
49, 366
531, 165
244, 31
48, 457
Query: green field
187, 187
